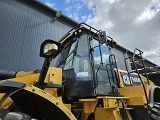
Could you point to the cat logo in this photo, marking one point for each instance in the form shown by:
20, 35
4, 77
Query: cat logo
133, 80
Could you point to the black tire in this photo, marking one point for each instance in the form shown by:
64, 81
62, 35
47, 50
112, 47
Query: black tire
154, 112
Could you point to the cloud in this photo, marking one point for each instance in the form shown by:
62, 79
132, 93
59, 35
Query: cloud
149, 13
132, 23
153, 53
83, 18
50, 4
73, 9
67, 1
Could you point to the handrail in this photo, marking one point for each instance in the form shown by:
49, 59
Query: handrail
133, 61
111, 59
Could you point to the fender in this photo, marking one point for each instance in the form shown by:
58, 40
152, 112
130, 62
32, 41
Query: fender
36, 102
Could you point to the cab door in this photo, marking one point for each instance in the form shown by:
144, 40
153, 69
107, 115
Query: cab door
103, 82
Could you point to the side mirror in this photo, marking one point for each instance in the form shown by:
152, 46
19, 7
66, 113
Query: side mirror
49, 48
102, 37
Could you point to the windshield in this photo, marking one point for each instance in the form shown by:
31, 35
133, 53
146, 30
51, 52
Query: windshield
101, 63
100, 53
75, 54
66, 55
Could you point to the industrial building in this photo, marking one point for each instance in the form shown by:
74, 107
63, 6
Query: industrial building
25, 24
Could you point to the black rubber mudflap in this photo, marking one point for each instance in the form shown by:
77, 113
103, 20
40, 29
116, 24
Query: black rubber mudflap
154, 112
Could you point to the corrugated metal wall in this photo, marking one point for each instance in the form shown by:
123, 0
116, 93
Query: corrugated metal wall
23, 27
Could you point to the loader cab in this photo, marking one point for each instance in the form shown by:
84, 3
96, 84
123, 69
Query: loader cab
84, 59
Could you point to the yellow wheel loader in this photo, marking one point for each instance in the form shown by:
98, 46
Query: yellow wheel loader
85, 83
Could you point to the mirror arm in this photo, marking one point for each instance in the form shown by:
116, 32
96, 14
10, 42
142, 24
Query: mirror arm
46, 64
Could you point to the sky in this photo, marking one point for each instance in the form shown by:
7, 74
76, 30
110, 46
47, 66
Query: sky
131, 23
